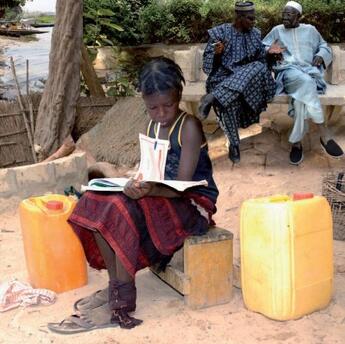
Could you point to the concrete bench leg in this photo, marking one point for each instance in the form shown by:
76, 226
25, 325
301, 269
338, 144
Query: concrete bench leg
202, 271
329, 109
332, 113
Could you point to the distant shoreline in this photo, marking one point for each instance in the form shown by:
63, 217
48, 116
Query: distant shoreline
23, 48
41, 18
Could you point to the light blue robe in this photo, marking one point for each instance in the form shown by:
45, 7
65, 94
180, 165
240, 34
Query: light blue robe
296, 75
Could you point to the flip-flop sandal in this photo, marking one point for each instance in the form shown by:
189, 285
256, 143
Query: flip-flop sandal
97, 318
74, 324
96, 299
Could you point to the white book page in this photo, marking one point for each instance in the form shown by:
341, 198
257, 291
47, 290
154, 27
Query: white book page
117, 184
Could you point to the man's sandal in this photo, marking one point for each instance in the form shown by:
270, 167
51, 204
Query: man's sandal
94, 319
96, 299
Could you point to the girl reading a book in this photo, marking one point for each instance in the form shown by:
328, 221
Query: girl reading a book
146, 223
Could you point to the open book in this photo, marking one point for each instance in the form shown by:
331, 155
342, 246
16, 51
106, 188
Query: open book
117, 184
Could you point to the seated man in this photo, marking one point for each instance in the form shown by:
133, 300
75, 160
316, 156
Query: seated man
302, 55
239, 83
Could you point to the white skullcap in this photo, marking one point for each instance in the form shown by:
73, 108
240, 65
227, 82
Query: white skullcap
295, 5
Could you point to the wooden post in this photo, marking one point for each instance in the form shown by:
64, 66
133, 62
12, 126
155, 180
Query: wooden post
89, 74
26, 122
31, 110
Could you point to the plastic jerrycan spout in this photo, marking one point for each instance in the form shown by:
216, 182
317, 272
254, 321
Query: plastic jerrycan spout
47, 206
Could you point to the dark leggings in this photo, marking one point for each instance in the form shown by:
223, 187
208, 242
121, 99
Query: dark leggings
113, 264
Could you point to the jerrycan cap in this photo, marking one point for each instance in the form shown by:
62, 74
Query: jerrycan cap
54, 205
297, 196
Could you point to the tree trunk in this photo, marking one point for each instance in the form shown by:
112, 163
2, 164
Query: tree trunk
89, 75
57, 110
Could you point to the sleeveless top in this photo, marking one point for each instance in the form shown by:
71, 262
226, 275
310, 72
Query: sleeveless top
204, 166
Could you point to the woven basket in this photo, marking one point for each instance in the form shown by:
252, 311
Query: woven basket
333, 188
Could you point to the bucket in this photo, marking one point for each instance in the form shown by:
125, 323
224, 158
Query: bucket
286, 255
54, 256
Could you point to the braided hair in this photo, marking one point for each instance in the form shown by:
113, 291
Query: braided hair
160, 75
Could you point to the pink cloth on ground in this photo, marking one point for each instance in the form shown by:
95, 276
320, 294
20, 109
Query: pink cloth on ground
14, 294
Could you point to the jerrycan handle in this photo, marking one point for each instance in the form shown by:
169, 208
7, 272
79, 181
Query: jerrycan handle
279, 198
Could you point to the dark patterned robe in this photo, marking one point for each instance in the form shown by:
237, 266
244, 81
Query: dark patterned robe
239, 78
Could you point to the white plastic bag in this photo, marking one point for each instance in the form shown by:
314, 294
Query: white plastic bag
153, 156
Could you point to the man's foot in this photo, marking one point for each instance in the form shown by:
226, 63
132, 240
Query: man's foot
332, 148
296, 155
205, 106
234, 154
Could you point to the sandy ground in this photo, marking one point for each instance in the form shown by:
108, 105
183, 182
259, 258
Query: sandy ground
264, 170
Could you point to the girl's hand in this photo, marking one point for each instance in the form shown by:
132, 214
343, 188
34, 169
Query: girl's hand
135, 189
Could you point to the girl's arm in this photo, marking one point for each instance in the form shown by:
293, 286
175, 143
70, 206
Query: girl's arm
191, 140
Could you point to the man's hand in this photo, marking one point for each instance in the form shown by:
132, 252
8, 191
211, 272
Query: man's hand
218, 47
318, 61
135, 189
277, 50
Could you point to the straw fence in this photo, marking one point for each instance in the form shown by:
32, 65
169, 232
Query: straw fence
15, 149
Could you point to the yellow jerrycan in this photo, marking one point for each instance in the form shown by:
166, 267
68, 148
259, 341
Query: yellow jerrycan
286, 255
54, 256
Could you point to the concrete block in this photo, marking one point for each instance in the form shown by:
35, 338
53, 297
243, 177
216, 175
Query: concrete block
35, 179
105, 59
81, 162
200, 75
186, 60
65, 166
8, 184
161, 50
73, 167
70, 171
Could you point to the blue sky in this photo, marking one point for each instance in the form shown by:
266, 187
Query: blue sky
40, 5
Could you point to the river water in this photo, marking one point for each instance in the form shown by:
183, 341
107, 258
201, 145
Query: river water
34, 48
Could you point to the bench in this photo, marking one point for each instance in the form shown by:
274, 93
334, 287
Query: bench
190, 62
202, 270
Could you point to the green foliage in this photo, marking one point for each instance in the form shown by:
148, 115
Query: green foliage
187, 21
123, 80
99, 21
124, 14
45, 19
120, 86
178, 21
11, 3
13, 13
